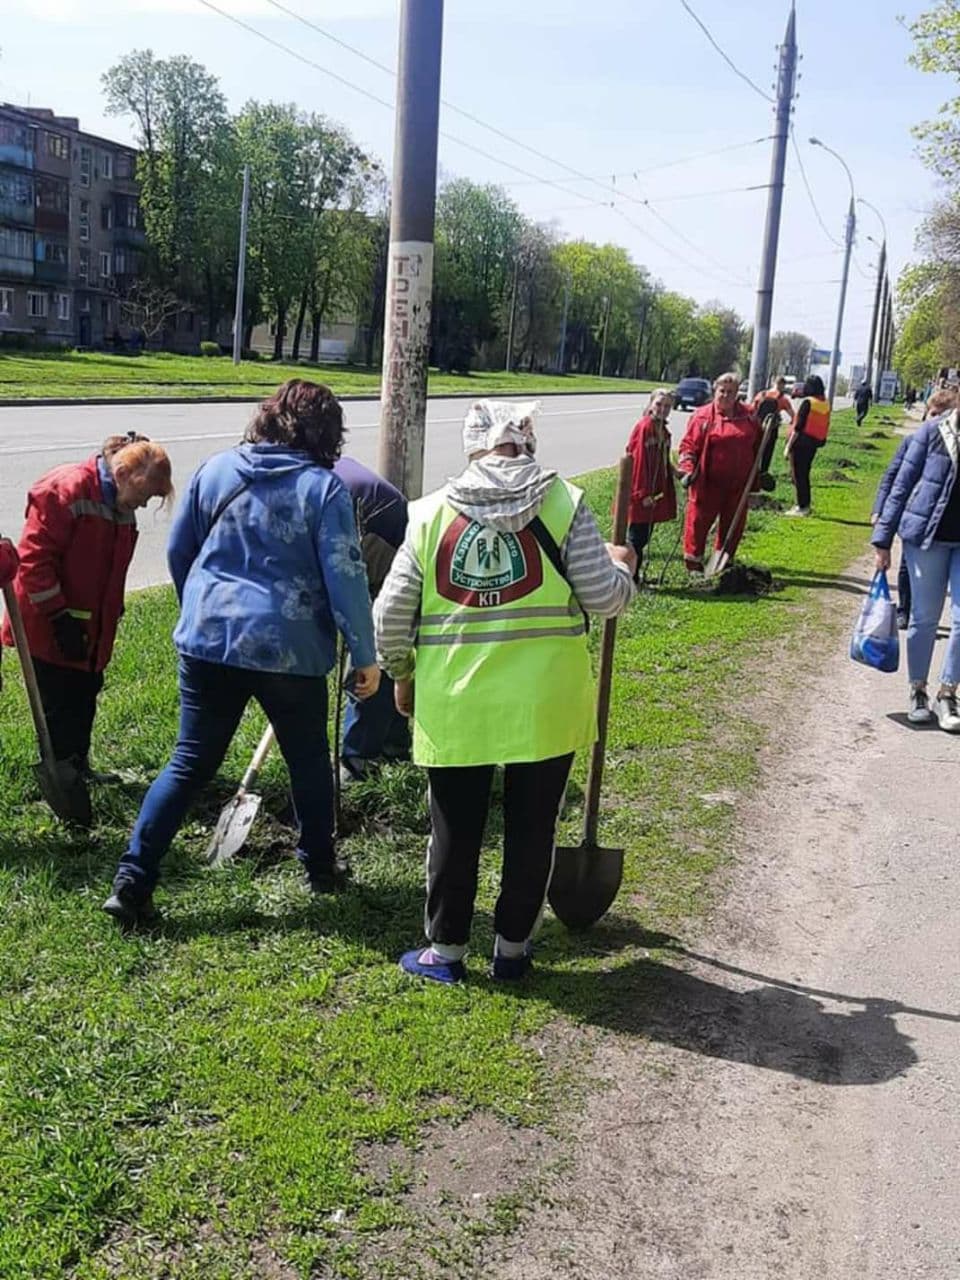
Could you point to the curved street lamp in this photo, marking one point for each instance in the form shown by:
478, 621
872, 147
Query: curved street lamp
848, 246
874, 377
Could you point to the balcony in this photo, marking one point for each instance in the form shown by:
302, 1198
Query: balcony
14, 211
133, 236
22, 157
22, 268
52, 272
52, 220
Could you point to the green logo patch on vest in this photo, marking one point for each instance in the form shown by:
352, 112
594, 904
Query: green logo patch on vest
485, 567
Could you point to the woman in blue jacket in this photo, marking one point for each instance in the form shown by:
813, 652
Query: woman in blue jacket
923, 506
267, 567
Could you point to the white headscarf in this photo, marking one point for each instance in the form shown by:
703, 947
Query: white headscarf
493, 422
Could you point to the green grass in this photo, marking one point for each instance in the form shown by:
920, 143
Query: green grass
197, 1102
76, 375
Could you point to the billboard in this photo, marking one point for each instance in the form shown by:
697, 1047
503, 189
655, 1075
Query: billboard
821, 355
888, 387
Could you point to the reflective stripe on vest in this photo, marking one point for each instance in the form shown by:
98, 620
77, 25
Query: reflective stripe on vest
89, 507
502, 669
817, 425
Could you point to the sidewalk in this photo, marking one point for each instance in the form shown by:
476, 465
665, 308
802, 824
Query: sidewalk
786, 1104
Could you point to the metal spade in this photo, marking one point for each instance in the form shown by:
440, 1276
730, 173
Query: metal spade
721, 556
586, 877
234, 823
60, 783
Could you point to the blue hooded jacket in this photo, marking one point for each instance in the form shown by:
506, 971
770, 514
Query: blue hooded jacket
267, 584
922, 485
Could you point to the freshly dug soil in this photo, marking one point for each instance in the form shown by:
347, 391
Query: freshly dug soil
763, 502
744, 580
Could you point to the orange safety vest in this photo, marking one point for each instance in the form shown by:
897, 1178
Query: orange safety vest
817, 426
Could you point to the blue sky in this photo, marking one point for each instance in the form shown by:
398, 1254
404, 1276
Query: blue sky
615, 87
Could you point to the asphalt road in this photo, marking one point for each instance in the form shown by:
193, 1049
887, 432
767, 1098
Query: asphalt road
576, 434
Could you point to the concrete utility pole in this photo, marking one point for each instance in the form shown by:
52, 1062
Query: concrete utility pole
563, 325
241, 268
513, 313
406, 330
845, 276
786, 80
884, 312
875, 318
606, 325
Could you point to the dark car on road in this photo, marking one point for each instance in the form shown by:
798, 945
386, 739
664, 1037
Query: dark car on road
691, 393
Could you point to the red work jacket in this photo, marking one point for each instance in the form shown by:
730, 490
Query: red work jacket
723, 448
652, 474
74, 552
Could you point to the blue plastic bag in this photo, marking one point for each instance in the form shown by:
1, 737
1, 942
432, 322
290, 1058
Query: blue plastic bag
875, 641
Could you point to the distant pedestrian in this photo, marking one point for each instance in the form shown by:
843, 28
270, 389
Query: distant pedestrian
923, 506
910, 397
717, 454
862, 399
772, 403
75, 550
653, 494
810, 430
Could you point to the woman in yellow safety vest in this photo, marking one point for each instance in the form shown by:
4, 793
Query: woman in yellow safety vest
483, 614
808, 434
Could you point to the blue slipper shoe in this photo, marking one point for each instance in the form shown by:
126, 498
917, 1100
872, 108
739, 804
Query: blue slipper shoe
438, 970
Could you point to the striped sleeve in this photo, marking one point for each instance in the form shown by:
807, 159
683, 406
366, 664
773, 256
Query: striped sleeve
396, 614
601, 586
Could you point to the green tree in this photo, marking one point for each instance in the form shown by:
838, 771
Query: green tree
936, 35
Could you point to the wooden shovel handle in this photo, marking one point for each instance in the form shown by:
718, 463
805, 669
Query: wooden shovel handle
29, 675
748, 487
256, 764
605, 674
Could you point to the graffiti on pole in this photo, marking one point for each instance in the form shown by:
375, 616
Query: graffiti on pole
406, 346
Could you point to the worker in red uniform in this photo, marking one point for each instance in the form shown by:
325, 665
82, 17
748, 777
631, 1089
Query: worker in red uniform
653, 495
717, 454
75, 550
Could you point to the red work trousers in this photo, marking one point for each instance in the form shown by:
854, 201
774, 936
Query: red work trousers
703, 509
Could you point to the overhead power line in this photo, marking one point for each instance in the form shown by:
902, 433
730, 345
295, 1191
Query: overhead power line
727, 59
806, 183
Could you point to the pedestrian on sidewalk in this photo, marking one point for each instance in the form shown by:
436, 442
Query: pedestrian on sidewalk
482, 624
717, 454
862, 399
373, 728
773, 401
923, 506
653, 493
267, 567
75, 550
809, 434
903, 573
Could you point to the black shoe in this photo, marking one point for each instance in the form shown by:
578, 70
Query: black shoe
330, 879
94, 777
130, 911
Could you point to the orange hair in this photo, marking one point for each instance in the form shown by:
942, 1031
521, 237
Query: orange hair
139, 454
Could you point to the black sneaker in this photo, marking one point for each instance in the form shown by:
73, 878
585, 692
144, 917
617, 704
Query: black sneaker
330, 879
130, 911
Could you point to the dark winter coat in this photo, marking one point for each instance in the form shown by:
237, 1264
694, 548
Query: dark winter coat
922, 485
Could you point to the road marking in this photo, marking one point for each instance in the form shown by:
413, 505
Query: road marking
233, 435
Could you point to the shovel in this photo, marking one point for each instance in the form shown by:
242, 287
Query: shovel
234, 823
721, 556
586, 877
60, 784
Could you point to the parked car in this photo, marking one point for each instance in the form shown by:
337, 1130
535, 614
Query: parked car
743, 390
692, 392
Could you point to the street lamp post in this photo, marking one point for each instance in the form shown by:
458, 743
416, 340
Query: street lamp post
874, 319
848, 247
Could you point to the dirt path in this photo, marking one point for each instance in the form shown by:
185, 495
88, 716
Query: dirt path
793, 1109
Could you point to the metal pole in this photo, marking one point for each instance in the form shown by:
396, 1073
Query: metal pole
884, 304
603, 345
786, 79
406, 331
874, 319
241, 267
835, 353
563, 325
513, 312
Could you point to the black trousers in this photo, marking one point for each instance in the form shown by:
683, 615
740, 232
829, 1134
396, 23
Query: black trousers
459, 800
69, 700
768, 448
802, 455
638, 535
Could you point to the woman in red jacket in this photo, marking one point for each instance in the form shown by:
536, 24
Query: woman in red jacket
653, 497
75, 550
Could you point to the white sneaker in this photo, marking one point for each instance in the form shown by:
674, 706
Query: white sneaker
946, 711
919, 712
797, 511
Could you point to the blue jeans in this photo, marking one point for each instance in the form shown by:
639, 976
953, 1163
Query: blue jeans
213, 699
374, 728
930, 572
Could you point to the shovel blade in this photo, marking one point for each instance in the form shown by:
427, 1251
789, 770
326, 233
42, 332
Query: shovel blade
584, 883
716, 564
64, 791
233, 827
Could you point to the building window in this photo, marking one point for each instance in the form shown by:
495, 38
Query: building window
104, 265
106, 217
52, 195
52, 251
63, 306
84, 219
37, 306
15, 244
119, 263
84, 268
104, 313
58, 146
129, 214
85, 162
106, 165
6, 302
125, 165
16, 188
17, 135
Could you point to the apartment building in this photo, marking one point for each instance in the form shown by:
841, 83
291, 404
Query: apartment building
71, 231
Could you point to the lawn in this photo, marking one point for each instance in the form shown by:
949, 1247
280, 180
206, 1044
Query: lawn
75, 375
220, 1098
